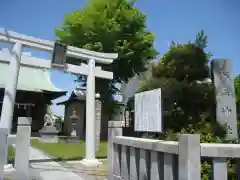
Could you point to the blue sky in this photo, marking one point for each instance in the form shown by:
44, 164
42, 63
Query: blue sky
169, 20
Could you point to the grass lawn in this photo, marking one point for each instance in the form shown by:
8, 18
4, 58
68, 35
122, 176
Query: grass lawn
11, 154
62, 150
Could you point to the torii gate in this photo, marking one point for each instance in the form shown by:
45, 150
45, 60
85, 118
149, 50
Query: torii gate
90, 70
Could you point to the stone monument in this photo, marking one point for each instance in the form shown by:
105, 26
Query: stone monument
98, 106
226, 113
49, 133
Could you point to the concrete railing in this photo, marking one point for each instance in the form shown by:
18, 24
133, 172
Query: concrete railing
146, 159
22, 144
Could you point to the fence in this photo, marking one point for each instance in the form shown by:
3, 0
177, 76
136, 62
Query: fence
22, 144
146, 159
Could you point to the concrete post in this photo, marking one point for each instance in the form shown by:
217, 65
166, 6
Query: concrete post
22, 148
189, 157
114, 129
90, 159
3, 150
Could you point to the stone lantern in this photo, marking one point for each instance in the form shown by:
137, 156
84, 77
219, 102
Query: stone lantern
74, 118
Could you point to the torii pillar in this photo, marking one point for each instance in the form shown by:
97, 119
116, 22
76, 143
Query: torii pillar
90, 159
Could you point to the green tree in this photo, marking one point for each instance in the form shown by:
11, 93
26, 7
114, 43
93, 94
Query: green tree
237, 88
237, 94
111, 27
182, 73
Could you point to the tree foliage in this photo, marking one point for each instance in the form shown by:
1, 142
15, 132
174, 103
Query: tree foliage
111, 27
237, 88
181, 73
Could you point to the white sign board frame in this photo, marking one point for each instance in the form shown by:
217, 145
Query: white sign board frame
148, 111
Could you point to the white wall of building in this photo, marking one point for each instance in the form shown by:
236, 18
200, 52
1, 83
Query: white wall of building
129, 89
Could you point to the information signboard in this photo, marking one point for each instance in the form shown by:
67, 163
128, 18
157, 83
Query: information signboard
148, 111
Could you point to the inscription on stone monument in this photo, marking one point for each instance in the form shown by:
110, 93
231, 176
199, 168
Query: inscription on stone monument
98, 122
148, 111
225, 96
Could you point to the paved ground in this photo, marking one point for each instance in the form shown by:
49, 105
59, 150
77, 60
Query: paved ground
43, 168
98, 173
50, 170
34, 175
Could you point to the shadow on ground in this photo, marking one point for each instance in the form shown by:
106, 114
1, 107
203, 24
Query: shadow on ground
61, 159
56, 159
